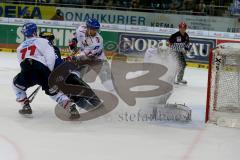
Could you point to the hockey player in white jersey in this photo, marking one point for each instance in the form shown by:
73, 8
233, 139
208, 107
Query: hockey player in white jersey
91, 48
37, 59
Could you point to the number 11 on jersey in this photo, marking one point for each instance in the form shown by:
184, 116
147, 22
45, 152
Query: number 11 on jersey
30, 49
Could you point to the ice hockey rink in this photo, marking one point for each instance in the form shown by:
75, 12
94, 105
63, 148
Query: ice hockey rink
45, 137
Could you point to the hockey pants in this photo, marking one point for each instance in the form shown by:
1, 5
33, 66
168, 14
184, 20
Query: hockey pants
182, 66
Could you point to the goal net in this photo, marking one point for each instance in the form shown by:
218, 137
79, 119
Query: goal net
223, 99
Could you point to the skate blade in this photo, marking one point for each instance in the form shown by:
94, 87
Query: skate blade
27, 115
90, 108
179, 83
75, 117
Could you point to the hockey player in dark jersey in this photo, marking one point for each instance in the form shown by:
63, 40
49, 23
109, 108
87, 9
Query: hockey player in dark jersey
179, 42
87, 103
50, 37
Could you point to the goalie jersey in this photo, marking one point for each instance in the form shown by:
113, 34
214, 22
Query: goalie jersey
165, 56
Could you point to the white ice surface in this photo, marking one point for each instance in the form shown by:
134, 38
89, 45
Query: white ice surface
45, 137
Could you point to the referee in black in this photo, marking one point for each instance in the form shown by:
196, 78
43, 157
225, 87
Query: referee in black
179, 42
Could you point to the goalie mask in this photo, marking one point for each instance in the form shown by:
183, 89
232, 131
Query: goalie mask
162, 45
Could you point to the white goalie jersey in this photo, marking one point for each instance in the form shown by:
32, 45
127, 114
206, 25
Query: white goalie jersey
164, 55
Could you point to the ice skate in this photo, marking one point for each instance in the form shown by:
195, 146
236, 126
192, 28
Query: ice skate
182, 82
74, 114
26, 109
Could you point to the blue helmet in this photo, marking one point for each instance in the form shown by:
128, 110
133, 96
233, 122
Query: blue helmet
28, 29
92, 23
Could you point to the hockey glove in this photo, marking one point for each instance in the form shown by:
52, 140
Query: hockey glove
70, 58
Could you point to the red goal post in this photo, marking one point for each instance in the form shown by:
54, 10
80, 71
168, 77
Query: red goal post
223, 90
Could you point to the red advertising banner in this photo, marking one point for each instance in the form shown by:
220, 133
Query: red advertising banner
219, 41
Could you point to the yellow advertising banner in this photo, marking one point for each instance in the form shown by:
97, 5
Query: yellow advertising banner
24, 11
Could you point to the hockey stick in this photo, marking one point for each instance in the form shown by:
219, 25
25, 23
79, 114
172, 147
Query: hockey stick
34, 93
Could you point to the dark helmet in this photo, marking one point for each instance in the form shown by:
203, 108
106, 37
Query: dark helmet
93, 23
47, 35
29, 29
